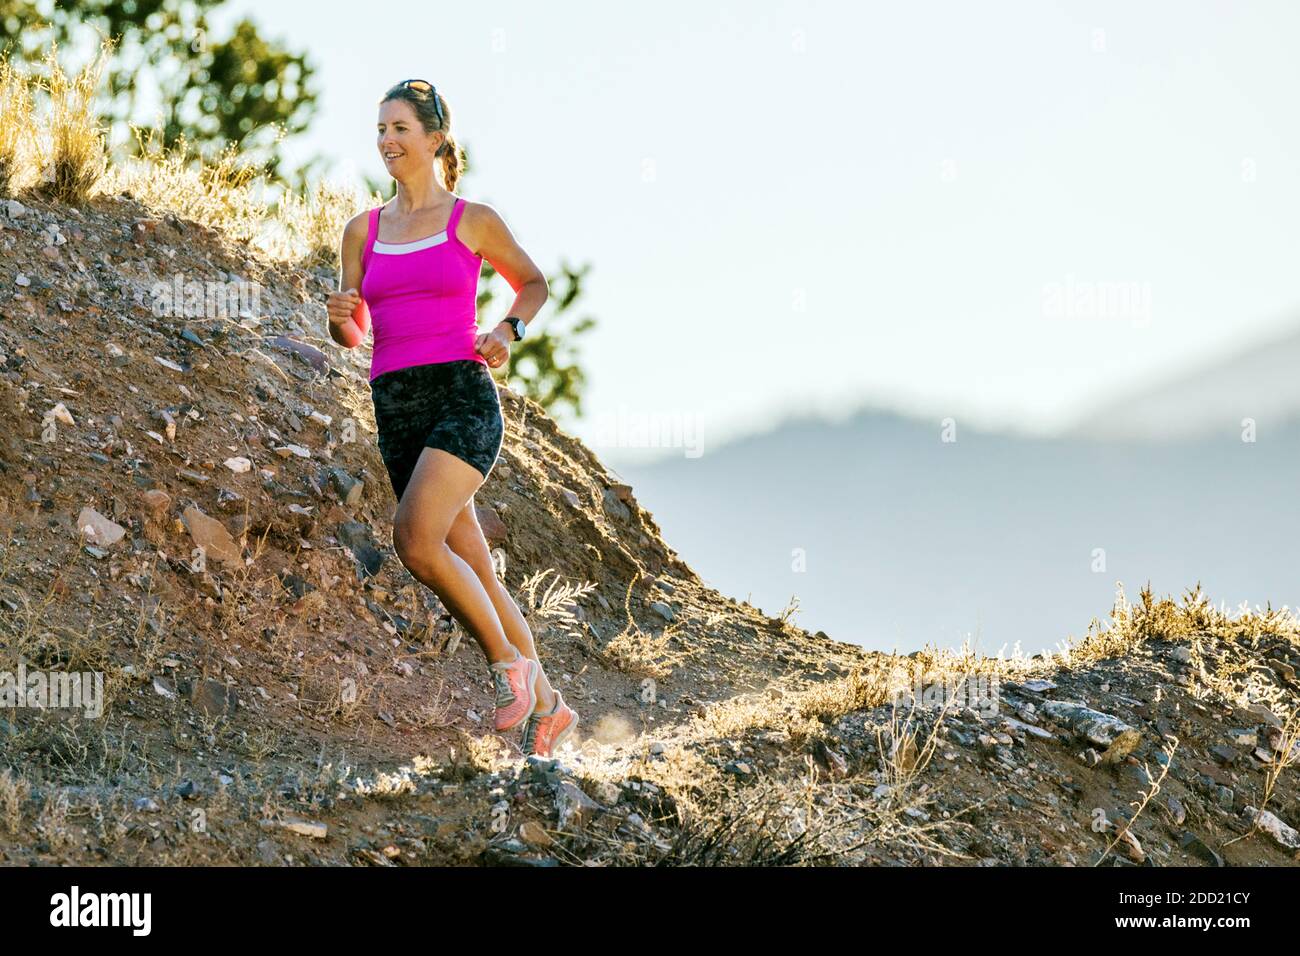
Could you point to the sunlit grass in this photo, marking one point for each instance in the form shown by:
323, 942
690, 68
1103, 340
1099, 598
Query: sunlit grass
54, 145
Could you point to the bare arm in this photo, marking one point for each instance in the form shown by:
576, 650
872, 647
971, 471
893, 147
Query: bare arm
486, 234
349, 316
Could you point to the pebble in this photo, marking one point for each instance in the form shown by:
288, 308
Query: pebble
663, 610
1195, 846
98, 528
534, 834
1176, 810
1284, 835
308, 828
211, 535
574, 806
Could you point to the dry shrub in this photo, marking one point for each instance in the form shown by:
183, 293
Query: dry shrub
17, 130
73, 140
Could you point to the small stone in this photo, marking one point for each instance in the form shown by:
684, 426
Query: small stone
22, 281
287, 451
1182, 654
187, 790
494, 529
157, 501
534, 834
663, 610
168, 363
1130, 847
614, 507
348, 488
1193, 844
61, 414
98, 528
1284, 835
1266, 715
574, 806
1243, 738
1176, 810
211, 535
1038, 686
307, 828
238, 465
1224, 754
604, 791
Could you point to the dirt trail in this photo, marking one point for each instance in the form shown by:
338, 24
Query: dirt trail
289, 694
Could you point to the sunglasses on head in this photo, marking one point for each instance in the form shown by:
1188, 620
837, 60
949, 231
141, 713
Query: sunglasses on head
424, 86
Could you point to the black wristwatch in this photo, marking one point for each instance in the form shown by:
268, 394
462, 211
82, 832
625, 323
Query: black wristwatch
517, 326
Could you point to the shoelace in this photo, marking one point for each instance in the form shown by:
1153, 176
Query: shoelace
530, 732
505, 696
533, 723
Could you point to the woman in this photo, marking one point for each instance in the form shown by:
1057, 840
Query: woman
416, 261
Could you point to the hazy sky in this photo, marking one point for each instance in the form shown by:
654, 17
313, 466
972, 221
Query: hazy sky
800, 206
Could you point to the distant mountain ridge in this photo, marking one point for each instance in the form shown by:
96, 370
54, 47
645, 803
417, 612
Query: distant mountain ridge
1259, 382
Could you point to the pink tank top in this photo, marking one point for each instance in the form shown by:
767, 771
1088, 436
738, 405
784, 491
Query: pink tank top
421, 296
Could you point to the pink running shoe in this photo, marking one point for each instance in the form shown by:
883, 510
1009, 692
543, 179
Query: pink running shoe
544, 732
516, 685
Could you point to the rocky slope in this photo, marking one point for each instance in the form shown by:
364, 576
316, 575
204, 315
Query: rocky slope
194, 506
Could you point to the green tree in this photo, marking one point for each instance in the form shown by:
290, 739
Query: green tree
243, 90
544, 366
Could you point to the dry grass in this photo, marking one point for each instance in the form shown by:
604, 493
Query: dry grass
1165, 620
1124, 832
17, 142
311, 225
225, 194
54, 144
14, 791
72, 139
635, 652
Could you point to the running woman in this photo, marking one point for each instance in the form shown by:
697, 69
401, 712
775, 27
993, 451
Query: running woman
416, 262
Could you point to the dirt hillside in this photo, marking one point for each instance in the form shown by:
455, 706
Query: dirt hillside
194, 506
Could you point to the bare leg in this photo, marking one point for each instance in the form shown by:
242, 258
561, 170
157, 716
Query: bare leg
438, 491
466, 540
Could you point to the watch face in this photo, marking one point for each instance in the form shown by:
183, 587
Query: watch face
519, 328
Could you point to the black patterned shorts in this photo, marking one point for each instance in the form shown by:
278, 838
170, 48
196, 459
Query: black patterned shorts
449, 405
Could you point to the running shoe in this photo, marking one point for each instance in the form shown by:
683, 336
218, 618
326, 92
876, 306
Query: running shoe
516, 686
545, 732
